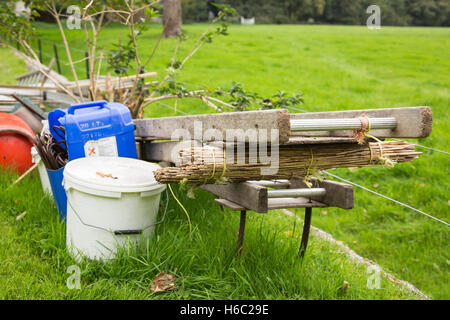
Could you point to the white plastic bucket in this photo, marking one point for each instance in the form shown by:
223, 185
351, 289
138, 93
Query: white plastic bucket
42, 171
111, 202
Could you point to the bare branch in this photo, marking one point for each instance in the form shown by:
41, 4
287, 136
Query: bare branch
56, 15
47, 74
199, 94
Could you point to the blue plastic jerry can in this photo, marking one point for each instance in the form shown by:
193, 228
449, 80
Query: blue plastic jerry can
98, 128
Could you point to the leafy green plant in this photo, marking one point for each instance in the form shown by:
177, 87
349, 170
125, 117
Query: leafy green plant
125, 58
18, 27
120, 60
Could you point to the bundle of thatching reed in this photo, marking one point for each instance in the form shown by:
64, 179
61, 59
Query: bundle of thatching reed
204, 165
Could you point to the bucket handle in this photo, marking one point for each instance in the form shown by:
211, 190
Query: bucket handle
127, 232
122, 232
100, 103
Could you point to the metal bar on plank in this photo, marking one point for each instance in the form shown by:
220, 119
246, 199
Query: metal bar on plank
295, 193
341, 124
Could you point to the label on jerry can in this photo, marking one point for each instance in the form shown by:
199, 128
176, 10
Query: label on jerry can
104, 147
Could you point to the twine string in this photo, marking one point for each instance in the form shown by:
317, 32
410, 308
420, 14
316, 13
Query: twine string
182, 207
224, 164
366, 126
214, 164
308, 170
224, 170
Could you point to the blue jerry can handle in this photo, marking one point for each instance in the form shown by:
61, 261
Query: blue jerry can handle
73, 107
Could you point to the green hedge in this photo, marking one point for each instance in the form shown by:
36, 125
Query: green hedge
393, 12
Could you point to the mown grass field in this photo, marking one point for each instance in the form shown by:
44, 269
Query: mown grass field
336, 68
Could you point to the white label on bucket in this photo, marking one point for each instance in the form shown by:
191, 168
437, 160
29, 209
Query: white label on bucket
104, 147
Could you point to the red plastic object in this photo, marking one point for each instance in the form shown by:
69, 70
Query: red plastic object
15, 143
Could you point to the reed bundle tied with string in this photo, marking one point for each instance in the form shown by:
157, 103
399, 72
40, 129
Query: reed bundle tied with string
206, 165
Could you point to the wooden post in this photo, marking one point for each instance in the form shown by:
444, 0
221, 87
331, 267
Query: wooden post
87, 65
241, 233
55, 50
305, 235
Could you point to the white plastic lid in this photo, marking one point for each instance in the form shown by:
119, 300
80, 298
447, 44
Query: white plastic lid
111, 174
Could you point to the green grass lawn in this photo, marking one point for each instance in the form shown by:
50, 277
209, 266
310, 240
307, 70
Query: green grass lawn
336, 68
35, 260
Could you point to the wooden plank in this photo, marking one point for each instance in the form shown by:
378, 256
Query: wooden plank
34, 100
21, 92
195, 126
37, 65
412, 122
320, 140
36, 95
33, 78
167, 150
7, 99
4, 108
60, 98
338, 194
25, 87
229, 204
253, 197
248, 195
285, 203
27, 75
50, 67
279, 203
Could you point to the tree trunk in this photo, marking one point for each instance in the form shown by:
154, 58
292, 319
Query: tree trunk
172, 18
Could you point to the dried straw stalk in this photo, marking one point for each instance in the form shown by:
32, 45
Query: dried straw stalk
204, 165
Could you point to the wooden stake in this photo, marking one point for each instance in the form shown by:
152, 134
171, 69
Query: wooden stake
23, 175
241, 232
